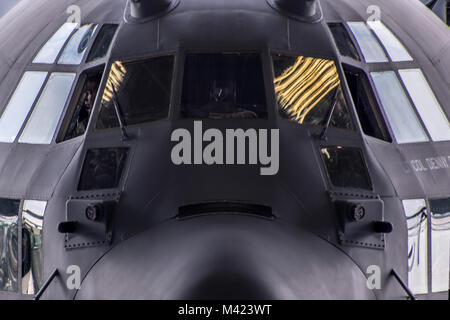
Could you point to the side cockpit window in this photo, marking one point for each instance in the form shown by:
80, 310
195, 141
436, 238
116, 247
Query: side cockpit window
366, 105
223, 86
77, 118
426, 104
308, 90
400, 113
140, 91
20, 104
33, 112
44, 119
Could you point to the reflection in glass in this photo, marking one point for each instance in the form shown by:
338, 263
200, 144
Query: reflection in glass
393, 46
32, 255
51, 49
9, 244
343, 41
416, 219
20, 104
223, 86
426, 104
103, 42
140, 89
368, 44
346, 167
84, 102
440, 244
102, 168
398, 109
77, 45
42, 124
305, 88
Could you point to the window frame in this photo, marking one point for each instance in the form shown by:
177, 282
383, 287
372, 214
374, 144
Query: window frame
343, 84
97, 106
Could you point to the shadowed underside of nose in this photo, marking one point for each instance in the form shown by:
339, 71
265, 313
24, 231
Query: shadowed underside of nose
225, 257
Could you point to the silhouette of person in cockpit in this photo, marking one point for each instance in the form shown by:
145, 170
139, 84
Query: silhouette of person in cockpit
83, 110
222, 103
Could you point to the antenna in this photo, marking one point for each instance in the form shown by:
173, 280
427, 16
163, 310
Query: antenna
139, 10
303, 10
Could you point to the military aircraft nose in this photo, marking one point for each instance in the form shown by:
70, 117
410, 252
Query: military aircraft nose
224, 257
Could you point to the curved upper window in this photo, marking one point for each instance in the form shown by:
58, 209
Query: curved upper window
140, 91
223, 86
343, 41
51, 49
77, 45
103, 42
308, 91
395, 49
370, 47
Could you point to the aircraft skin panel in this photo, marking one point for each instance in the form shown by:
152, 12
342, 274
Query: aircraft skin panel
151, 189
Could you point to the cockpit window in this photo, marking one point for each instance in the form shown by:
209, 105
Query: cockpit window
366, 106
346, 167
77, 45
393, 46
51, 49
79, 113
19, 106
32, 238
343, 41
102, 168
9, 244
223, 86
306, 89
399, 111
140, 90
45, 117
370, 47
103, 42
426, 104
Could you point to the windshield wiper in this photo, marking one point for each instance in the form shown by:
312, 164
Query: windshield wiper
323, 134
118, 109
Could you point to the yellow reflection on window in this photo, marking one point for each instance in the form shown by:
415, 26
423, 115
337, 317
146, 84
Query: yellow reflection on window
115, 79
304, 86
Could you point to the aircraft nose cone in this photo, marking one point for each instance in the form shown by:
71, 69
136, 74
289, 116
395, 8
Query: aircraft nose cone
224, 257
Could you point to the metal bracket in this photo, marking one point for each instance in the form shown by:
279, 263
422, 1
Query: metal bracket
359, 214
91, 218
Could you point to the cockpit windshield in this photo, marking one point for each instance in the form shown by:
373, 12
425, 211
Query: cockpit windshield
223, 86
305, 89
